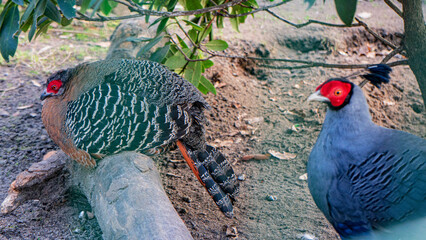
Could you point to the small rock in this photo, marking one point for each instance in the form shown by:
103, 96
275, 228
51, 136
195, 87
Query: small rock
186, 199
304, 177
307, 236
77, 230
232, 232
282, 156
182, 211
296, 86
33, 115
5, 74
388, 103
81, 215
25, 107
43, 137
254, 120
364, 15
90, 215
271, 198
35, 83
241, 177
4, 113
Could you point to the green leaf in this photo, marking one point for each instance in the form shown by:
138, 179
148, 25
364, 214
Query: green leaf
219, 22
162, 25
253, 3
39, 10
67, 8
310, 3
52, 12
85, 5
148, 46
208, 63
194, 26
28, 11
216, 45
193, 72
43, 26
205, 33
193, 34
171, 6
105, 7
207, 85
65, 21
192, 4
3, 13
19, 2
160, 54
176, 61
182, 42
8, 41
346, 10
234, 23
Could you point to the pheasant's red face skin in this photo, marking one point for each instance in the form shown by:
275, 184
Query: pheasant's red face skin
54, 86
335, 91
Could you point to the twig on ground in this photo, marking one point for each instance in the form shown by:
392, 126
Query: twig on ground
173, 175
11, 89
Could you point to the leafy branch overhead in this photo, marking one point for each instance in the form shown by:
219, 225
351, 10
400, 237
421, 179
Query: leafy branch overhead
185, 40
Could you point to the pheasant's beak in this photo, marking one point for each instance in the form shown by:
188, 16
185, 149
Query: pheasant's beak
316, 96
44, 95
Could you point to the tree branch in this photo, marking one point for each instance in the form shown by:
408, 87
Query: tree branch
142, 12
391, 54
310, 22
265, 8
394, 7
386, 42
332, 65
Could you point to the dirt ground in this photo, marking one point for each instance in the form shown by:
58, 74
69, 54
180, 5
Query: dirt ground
256, 110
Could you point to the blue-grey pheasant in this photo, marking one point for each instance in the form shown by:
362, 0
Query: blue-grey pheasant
106, 107
366, 179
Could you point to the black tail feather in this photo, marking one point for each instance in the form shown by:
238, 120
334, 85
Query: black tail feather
378, 74
216, 175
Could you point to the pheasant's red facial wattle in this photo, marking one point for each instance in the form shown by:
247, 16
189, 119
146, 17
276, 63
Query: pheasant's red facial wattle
335, 91
54, 86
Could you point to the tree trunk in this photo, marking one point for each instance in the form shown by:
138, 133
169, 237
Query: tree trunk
415, 41
127, 197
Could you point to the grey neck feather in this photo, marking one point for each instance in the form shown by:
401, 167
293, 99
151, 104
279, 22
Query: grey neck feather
352, 118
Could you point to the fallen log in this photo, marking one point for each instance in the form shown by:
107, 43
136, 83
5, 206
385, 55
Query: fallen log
124, 190
127, 196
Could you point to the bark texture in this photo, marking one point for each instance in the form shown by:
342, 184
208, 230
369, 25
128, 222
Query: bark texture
127, 196
415, 41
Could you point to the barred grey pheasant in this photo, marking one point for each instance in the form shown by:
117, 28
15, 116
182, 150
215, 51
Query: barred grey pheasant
106, 107
366, 179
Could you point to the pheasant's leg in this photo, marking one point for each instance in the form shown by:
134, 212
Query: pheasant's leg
221, 199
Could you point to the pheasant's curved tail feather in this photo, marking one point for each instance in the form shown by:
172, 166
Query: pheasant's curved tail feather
214, 173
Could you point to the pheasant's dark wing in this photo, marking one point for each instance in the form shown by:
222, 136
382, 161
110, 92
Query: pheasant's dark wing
391, 186
391, 182
108, 120
145, 78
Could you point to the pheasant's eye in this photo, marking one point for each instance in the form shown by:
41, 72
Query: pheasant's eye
338, 92
54, 86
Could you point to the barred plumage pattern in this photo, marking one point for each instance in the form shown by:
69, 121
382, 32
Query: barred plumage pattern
128, 105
